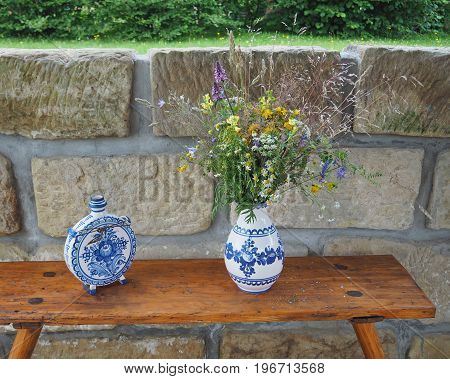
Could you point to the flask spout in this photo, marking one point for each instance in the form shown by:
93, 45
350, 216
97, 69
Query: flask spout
97, 203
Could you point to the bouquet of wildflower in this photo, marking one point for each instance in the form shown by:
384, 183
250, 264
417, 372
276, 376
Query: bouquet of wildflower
258, 149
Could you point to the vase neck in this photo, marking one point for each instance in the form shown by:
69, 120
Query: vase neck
96, 215
262, 218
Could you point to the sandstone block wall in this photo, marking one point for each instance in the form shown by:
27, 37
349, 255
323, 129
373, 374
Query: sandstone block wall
70, 126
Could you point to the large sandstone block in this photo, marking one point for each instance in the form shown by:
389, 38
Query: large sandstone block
402, 90
430, 346
439, 207
65, 93
9, 212
189, 72
122, 347
357, 203
158, 199
299, 344
427, 262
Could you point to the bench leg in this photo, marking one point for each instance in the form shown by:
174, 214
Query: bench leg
368, 339
25, 342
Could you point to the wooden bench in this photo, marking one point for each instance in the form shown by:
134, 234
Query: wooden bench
362, 290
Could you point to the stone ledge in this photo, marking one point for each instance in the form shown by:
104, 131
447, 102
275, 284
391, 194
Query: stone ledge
299, 344
432, 346
65, 93
10, 252
200, 250
120, 347
160, 250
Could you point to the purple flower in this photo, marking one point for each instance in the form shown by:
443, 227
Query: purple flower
303, 140
161, 103
340, 173
213, 140
217, 92
325, 168
219, 73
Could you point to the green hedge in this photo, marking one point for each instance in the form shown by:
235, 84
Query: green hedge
171, 19
387, 18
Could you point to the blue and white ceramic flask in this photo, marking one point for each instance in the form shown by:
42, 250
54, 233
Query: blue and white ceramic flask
254, 254
99, 249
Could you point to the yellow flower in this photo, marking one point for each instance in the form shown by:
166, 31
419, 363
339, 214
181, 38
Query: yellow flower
287, 125
281, 111
269, 128
266, 100
330, 186
295, 113
315, 188
253, 128
182, 168
207, 103
248, 155
237, 130
233, 120
266, 113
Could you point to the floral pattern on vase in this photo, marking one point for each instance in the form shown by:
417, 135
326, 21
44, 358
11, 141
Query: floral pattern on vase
104, 256
100, 248
254, 254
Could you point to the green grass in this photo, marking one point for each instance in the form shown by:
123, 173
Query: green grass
333, 43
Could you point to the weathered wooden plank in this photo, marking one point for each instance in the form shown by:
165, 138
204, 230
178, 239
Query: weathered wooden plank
192, 291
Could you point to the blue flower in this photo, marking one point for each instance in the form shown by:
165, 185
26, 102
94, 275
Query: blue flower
325, 168
303, 140
340, 173
192, 151
257, 143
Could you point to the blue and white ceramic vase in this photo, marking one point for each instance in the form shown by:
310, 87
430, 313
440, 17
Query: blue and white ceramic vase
99, 249
254, 254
